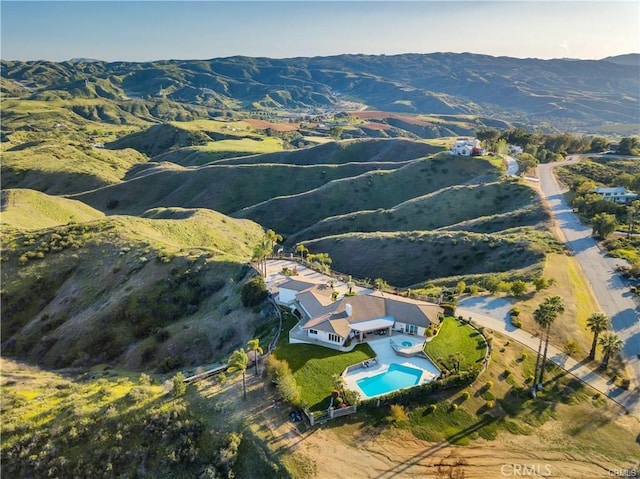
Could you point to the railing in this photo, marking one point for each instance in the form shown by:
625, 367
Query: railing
205, 374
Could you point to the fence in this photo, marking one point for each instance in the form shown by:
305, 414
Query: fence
329, 414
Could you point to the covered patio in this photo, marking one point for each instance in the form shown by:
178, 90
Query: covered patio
381, 327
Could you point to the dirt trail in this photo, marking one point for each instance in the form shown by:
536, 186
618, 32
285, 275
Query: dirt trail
347, 450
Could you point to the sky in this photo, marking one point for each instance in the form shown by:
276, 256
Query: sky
161, 30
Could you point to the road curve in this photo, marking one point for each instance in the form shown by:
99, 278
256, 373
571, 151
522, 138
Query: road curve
614, 298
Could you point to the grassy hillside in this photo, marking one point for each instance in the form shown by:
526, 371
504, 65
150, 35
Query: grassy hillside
445, 207
378, 189
348, 151
139, 292
407, 258
29, 209
107, 423
222, 188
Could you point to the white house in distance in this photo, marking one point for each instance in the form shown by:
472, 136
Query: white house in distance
619, 195
333, 323
467, 147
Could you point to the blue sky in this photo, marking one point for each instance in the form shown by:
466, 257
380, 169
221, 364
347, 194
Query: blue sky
153, 30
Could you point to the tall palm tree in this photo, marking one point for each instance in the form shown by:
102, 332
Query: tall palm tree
302, 249
610, 343
272, 238
238, 361
556, 307
260, 252
543, 316
597, 323
254, 345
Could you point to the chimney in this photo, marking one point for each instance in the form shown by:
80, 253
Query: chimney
348, 309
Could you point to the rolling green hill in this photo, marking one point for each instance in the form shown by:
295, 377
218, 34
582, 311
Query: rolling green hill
158, 292
429, 212
63, 167
222, 188
378, 189
28, 209
408, 258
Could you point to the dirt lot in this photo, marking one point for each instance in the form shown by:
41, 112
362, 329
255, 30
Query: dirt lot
346, 449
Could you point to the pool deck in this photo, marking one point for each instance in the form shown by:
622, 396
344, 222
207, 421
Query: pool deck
386, 356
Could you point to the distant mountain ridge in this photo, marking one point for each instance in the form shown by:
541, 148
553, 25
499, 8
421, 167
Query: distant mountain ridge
531, 91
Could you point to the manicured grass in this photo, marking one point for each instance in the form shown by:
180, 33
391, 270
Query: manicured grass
453, 337
313, 366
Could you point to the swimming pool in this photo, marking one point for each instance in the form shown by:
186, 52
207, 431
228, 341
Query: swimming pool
396, 377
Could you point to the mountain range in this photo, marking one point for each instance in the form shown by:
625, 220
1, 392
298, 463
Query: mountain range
565, 93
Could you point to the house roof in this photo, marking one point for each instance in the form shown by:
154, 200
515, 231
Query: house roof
317, 300
372, 324
297, 285
368, 312
619, 189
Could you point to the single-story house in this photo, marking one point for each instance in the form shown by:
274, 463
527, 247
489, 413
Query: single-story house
354, 317
618, 195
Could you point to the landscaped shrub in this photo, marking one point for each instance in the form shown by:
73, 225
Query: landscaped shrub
398, 414
254, 291
465, 395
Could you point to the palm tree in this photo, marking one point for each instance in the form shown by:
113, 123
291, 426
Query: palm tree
543, 317
254, 345
260, 253
597, 323
272, 238
555, 305
238, 361
302, 249
610, 343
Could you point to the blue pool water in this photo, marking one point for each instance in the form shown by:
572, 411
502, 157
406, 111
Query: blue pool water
406, 344
394, 378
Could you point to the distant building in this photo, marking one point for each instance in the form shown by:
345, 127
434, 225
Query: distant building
467, 147
619, 195
514, 150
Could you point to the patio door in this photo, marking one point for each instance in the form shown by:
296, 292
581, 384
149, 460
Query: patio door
411, 329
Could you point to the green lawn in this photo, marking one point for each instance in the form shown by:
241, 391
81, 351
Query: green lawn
455, 336
313, 366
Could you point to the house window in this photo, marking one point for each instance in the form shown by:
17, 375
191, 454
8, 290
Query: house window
334, 338
313, 331
411, 329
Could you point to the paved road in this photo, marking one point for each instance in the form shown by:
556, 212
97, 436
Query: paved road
614, 298
488, 313
512, 165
